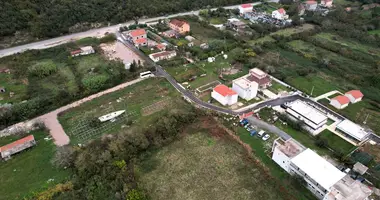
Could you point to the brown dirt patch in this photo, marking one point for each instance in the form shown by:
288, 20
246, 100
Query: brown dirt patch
373, 150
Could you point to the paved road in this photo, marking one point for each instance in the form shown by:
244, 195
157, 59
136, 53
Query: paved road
271, 128
91, 33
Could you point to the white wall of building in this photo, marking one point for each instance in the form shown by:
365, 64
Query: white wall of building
306, 121
281, 159
276, 14
246, 93
225, 100
244, 10
337, 105
352, 99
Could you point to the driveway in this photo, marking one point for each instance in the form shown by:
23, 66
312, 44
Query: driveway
271, 128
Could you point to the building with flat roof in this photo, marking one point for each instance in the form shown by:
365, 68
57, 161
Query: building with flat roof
323, 179
352, 131
312, 117
246, 89
163, 55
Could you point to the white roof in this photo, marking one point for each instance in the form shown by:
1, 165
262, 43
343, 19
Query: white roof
233, 20
257, 71
352, 129
244, 83
317, 168
86, 48
307, 111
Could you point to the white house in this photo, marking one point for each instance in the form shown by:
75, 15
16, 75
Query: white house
313, 118
163, 55
327, 3
245, 88
224, 95
322, 178
83, 51
311, 5
352, 131
280, 14
340, 102
354, 95
244, 8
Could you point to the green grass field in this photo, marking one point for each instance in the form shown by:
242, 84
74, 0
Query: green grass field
277, 87
261, 40
198, 166
12, 85
374, 32
291, 31
305, 84
217, 20
30, 170
337, 143
134, 99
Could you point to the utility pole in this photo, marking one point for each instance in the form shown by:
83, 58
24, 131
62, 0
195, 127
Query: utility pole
365, 121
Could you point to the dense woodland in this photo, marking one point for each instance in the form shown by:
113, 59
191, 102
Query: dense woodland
44, 18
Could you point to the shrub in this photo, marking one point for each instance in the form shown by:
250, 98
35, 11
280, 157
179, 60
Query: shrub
43, 69
95, 82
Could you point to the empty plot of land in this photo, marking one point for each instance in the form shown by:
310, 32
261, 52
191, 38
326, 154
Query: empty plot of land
291, 31
199, 166
117, 50
155, 107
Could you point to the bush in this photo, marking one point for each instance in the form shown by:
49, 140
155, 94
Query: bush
108, 38
43, 69
95, 82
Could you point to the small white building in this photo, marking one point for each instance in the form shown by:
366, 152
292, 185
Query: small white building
311, 5
313, 118
244, 8
163, 55
352, 131
280, 14
83, 51
340, 102
246, 89
354, 95
224, 95
327, 3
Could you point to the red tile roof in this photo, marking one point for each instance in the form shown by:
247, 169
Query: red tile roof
160, 46
140, 41
162, 53
137, 32
76, 52
342, 99
355, 93
311, 2
178, 23
281, 11
17, 143
261, 82
224, 90
246, 5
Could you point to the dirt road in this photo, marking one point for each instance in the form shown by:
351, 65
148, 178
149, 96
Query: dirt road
51, 122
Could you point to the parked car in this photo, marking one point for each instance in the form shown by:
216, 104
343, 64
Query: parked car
243, 122
252, 132
266, 137
261, 133
249, 128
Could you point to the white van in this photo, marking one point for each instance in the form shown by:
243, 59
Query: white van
261, 133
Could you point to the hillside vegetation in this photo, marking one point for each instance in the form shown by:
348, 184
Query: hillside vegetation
45, 18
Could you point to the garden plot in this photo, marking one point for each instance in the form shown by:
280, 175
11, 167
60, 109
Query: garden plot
155, 107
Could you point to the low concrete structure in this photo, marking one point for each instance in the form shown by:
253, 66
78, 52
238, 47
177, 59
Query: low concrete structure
312, 117
163, 55
360, 168
224, 95
17, 146
352, 131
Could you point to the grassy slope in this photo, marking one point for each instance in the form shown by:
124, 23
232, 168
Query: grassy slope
29, 170
201, 167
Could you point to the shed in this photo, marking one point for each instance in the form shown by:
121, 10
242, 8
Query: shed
360, 168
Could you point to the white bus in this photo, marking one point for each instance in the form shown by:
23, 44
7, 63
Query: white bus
146, 74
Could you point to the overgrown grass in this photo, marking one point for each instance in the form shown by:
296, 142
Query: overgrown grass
198, 166
337, 143
31, 170
374, 32
306, 84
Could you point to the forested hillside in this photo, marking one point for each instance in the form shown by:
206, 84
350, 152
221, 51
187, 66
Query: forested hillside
49, 18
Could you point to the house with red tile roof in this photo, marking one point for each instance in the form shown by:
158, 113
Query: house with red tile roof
161, 47
83, 51
340, 102
138, 37
311, 5
280, 14
327, 3
224, 95
17, 146
354, 95
179, 26
245, 8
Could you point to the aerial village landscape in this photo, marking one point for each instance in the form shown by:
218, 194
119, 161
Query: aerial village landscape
260, 100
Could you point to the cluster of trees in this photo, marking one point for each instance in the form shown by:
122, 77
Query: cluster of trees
132, 27
219, 12
104, 168
46, 18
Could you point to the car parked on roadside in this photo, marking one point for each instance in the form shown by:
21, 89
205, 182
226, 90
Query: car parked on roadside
266, 137
261, 133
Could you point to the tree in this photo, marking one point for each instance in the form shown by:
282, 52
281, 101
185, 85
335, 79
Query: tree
135, 195
133, 67
64, 157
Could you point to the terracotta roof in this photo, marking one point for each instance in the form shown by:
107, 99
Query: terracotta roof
341, 99
162, 53
355, 93
140, 41
17, 143
137, 32
246, 5
224, 90
281, 11
178, 23
311, 2
244, 115
160, 46
262, 81
76, 52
